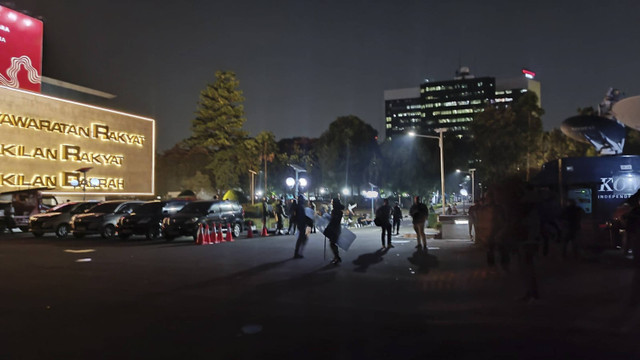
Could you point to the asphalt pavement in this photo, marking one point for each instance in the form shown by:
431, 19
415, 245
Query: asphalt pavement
249, 299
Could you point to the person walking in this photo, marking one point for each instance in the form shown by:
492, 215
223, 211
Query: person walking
383, 216
333, 229
292, 217
419, 214
397, 218
302, 222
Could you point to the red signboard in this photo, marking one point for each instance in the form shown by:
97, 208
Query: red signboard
20, 50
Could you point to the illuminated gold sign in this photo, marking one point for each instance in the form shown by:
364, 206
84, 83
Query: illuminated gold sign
49, 142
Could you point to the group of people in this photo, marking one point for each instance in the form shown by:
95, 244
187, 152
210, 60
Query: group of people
389, 219
514, 221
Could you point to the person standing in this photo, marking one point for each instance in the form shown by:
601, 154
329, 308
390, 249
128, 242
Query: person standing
333, 229
572, 215
312, 205
292, 217
383, 214
264, 213
279, 211
302, 222
419, 214
397, 218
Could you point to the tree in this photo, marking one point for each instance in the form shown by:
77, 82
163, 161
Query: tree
410, 165
506, 140
218, 129
556, 145
345, 151
177, 164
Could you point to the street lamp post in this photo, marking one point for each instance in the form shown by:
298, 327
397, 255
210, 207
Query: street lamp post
473, 184
253, 186
298, 170
440, 143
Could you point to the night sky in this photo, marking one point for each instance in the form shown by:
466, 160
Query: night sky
301, 64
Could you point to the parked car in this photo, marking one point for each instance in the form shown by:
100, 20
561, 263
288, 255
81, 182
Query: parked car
58, 218
102, 218
147, 218
212, 212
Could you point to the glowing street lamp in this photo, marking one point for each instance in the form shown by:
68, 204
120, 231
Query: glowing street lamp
440, 142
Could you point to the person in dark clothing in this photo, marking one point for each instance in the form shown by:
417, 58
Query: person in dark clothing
264, 212
383, 214
332, 231
572, 215
397, 218
302, 222
292, 217
279, 211
312, 205
419, 214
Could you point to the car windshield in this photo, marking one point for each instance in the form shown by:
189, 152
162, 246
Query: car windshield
105, 208
196, 207
63, 208
149, 208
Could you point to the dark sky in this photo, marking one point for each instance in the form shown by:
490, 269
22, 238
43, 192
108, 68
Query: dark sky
301, 64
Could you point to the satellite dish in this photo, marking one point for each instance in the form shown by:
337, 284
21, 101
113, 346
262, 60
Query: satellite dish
606, 135
627, 111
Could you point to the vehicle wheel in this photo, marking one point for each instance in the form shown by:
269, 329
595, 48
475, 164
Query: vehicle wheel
37, 233
237, 229
153, 232
78, 235
62, 231
108, 231
168, 237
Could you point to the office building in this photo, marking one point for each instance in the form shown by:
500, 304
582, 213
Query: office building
450, 104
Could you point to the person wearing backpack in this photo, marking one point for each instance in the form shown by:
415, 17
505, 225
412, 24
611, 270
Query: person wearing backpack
419, 213
383, 214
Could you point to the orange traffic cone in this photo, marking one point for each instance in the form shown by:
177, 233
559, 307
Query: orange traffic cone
206, 239
199, 235
250, 230
214, 234
265, 232
229, 234
219, 238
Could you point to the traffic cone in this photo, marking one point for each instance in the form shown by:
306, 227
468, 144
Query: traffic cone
265, 232
219, 238
206, 239
229, 234
199, 235
214, 235
250, 230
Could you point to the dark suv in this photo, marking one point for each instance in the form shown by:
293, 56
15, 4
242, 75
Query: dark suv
102, 218
147, 218
212, 212
57, 218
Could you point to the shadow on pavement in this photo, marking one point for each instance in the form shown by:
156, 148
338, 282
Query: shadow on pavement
364, 261
423, 261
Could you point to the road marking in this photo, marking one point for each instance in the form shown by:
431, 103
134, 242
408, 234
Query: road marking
84, 260
84, 251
